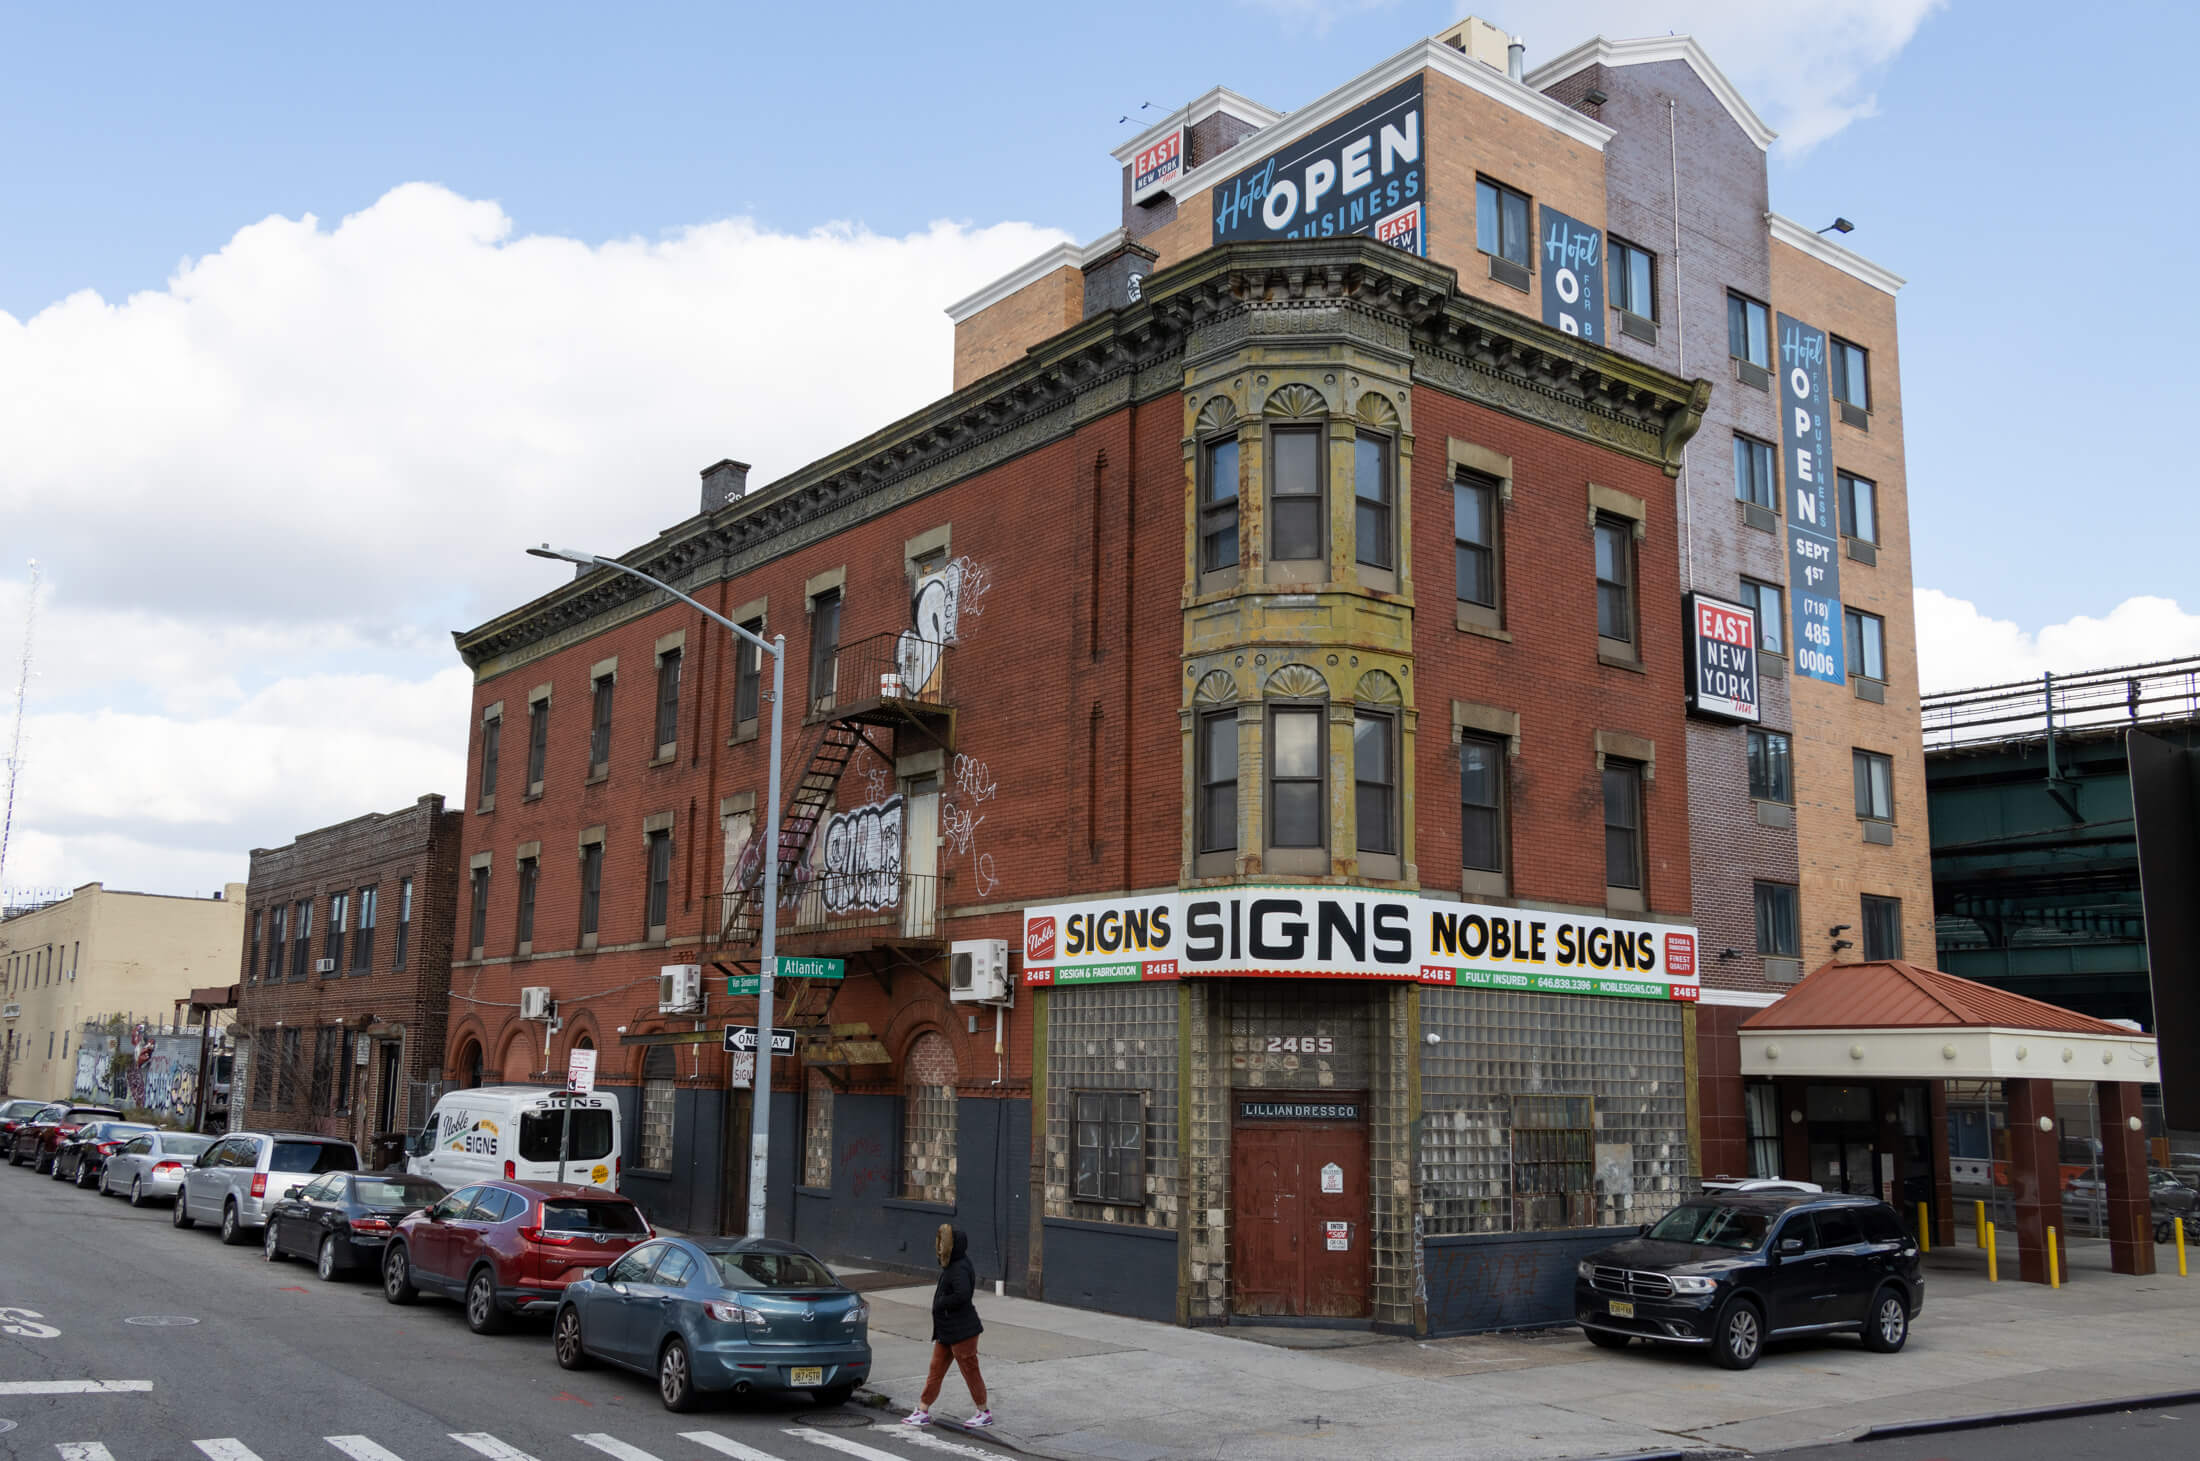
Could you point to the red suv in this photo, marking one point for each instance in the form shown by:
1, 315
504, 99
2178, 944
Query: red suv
37, 1140
508, 1247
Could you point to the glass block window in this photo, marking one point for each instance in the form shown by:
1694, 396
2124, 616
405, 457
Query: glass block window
817, 1133
928, 1121
1103, 1041
657, 1110
1495, 1049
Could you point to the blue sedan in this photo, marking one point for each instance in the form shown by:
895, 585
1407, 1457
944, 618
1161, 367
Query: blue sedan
719, 1314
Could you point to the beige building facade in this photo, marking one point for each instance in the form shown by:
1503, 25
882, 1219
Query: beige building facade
98, 953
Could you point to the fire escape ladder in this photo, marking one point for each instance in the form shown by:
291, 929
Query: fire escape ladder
807, 805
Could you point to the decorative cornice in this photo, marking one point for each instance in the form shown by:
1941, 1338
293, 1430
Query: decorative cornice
1826, 251
1460, 344
1597, 51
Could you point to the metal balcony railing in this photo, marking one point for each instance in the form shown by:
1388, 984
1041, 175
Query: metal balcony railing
901, 669
882, 907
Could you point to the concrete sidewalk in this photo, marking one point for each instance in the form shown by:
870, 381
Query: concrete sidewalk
1069, 1384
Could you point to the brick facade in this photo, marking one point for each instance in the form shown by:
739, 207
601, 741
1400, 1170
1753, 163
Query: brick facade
301, 1025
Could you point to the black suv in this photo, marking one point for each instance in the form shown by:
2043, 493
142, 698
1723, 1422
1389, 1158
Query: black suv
1732, 1270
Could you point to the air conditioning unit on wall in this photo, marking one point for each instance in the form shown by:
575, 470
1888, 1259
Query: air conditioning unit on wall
324, 966
977, 971
535, 1002
679, 989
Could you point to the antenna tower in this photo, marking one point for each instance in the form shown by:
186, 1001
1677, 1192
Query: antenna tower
22, 700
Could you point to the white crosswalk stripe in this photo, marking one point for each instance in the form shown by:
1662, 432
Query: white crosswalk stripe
84, 1451
359, 1448
481, 1443
228, 1448
933, 1441
712, 1441
835, 1442
613, 1446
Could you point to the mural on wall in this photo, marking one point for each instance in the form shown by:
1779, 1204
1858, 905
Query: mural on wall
156, 1071
862, 862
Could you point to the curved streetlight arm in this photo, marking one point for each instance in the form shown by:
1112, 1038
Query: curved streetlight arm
760, 1107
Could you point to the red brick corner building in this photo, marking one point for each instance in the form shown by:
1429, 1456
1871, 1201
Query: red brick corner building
1237, 849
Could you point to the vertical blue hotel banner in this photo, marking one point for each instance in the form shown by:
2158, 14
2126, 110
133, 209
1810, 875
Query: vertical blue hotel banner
1806, 460
1573, 275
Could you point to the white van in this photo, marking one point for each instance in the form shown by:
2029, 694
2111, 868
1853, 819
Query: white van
514, 1132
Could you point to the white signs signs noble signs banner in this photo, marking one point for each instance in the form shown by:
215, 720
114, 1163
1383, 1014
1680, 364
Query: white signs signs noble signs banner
580, 1071
1348, 933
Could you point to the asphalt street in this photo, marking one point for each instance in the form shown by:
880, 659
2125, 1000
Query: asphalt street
2129, 1435
123, 1339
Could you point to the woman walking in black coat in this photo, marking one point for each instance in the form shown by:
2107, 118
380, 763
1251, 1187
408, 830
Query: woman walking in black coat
955, 1329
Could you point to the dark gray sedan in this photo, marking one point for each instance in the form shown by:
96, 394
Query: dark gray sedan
729, 1315
343, 1220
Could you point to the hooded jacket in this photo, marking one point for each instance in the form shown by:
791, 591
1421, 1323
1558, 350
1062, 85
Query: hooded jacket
954, 1317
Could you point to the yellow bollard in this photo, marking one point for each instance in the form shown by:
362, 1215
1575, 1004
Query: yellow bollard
2054, 1268
2179, 1225
1978, 1223
1993, 1270
1924, 1230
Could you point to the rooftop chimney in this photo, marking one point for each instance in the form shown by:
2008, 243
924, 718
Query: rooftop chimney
723, 482
1516, 59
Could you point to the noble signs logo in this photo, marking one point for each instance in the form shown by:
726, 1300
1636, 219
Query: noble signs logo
1038, 939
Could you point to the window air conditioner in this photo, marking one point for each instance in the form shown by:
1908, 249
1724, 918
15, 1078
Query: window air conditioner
535, 1002
324, 966
680, 989
977, 971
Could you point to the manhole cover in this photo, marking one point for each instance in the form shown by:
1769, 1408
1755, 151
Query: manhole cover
161, 1321
836, 1420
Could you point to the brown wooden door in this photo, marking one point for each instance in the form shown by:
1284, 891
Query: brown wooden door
1336, 1277
1268, 1213
1285, 1222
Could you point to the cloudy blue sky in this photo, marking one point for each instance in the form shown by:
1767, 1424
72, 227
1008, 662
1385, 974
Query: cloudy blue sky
309, 318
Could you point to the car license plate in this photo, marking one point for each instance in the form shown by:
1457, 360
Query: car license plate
1621, 1309
805, 1375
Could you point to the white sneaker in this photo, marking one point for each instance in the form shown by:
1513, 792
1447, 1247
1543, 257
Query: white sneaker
919, 1416
982, 1418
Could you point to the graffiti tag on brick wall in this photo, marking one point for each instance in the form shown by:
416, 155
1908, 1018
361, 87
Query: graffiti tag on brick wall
863, 857
864, 1160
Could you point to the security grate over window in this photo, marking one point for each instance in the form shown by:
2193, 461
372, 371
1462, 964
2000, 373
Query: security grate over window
1111, 1146
1553, 1162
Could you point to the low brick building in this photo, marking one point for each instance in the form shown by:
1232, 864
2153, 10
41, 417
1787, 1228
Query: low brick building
346, 977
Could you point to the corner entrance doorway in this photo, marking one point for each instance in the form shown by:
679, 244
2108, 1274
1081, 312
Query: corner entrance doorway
1298, 1175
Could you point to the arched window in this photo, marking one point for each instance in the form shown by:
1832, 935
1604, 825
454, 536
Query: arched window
928, 1120
469, 1064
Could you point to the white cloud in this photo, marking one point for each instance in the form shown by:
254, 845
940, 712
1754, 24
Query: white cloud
1959, 647
1807, 69
265, 494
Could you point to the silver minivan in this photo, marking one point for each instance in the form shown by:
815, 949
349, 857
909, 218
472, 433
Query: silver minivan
239, 1179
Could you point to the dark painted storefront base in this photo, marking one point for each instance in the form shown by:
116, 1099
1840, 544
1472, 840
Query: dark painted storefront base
1112, 1267
859, 1219
1507, 1280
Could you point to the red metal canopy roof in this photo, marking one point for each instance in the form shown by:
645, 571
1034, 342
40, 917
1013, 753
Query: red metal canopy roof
1894, 994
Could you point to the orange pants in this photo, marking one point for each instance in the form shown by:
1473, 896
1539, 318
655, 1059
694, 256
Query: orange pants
965, 1356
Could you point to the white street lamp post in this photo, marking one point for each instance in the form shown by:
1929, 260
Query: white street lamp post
760, 1125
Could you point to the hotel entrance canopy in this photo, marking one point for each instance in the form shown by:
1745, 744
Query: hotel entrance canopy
1893, 1020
